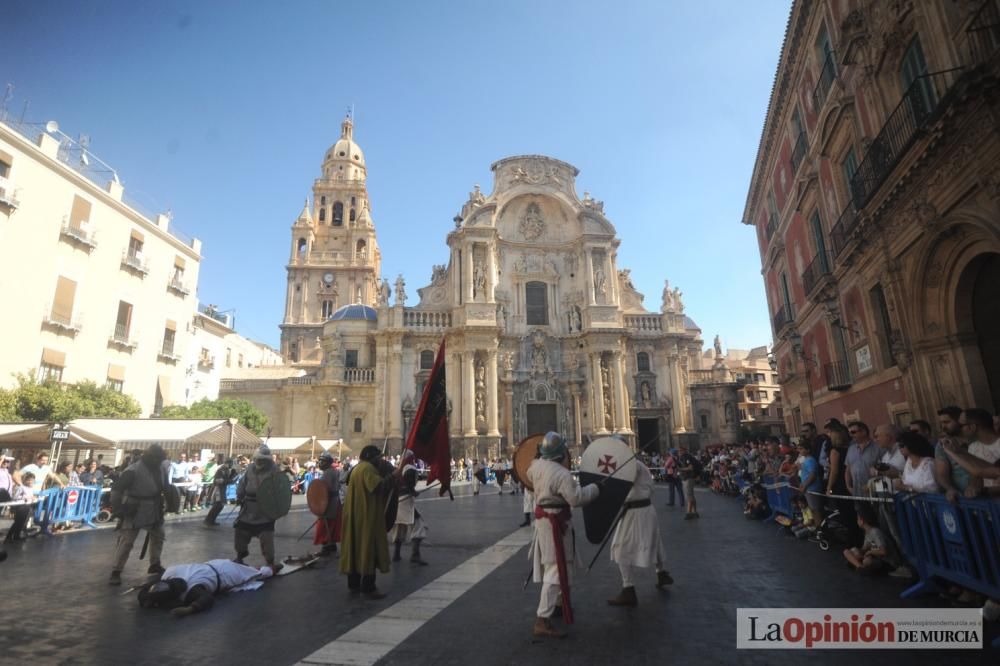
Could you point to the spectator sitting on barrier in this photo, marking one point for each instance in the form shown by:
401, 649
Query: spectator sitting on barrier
756, 507
869, 559
22, 493
806, 527
918, 473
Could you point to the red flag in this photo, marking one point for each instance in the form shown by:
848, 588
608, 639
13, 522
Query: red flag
428, 438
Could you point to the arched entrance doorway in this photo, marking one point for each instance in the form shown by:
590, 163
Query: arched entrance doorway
984, 277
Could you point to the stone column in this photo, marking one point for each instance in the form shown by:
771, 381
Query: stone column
577, 423
469, 265
453, 385
304, 308
598, 392
590, 276
469, 393
456, 275
491, 274
491, 394
395, 362
622, 424
509, 414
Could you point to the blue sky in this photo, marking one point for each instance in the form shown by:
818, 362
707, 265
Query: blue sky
221, 112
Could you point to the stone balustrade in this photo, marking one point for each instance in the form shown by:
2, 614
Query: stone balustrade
426, 319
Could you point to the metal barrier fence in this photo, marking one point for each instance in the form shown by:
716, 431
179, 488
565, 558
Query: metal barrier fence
69, 504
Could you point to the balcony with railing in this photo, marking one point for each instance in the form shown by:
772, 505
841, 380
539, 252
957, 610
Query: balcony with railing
359, 375
135, 262
206, 362
916, 110
644, 323
838, 375
816, 274
840, 234
60, 322
167, 353
122, 337
8, 194
426, 319
983, 33
799, 151
79, 235
782, 319
772, 226
177, 286
827, 75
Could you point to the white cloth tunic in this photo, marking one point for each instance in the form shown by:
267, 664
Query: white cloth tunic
554, 484
231, 574
409, 525
637, 539
528, 501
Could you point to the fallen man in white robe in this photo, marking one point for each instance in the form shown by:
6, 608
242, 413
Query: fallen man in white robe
191, 588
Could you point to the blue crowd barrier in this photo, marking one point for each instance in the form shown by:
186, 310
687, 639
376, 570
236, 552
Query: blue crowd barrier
69, 504
779, 499
958, 543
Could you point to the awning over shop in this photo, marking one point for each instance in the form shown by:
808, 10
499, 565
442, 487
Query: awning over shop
175, 434
38, 436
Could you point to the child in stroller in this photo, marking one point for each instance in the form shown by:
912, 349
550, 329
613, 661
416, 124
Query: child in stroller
832, 529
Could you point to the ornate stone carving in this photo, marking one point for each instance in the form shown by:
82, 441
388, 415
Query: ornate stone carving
534, 173
668, 305
480, 394
600, 281
934, 274
400, 290
508, 362
606, 388
575, 321
438, 274
539, 356
570, 262
625, 278
593, 204
479, 273
532, 225
384, 293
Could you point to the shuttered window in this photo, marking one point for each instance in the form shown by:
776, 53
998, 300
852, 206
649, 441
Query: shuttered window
79, 215
62, 303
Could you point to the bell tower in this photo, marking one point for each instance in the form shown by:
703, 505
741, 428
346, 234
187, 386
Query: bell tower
335, 259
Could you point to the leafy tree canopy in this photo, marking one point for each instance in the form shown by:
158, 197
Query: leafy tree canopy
54, 402
251, 417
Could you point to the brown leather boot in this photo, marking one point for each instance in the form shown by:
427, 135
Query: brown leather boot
625, 598
543, 627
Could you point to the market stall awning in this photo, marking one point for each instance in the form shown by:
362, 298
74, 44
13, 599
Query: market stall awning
173, 434
38, 435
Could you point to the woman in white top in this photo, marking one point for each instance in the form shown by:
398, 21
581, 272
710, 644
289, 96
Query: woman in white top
918, 473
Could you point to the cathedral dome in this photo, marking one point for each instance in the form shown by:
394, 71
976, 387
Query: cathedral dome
355, 311
346, 150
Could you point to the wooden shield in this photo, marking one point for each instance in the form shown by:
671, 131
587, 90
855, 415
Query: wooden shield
525, 454
610, 462
274, 495
318, 497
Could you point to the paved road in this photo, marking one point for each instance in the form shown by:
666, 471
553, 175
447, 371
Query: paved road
57, 607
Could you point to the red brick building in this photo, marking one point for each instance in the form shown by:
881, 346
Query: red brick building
876, 200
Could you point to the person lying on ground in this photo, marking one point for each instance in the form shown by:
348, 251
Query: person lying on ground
191, 588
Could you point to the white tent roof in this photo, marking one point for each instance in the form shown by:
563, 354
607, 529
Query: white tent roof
170, 433
289, 443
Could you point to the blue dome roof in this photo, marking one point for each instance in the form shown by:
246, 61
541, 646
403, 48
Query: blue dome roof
355, 311
689, 324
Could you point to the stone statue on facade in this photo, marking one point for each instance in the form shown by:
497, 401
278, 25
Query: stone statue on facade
678, 303
502, 316
600, 281
718, 347
729, 412
384, 293
333, 414
479, 280
400, 290
539, 357
625, 277
438, 274
668, 298
508, 362
646, 394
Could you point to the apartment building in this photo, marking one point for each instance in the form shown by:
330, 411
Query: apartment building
92, 287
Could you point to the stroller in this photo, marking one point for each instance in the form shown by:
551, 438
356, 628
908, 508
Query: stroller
832, 530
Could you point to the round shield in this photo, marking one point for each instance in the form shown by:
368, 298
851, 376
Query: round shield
274, 495
611, 463
525, 454
609, 456
318, 497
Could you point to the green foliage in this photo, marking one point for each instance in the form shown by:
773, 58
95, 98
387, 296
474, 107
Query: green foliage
54, 402
248, 415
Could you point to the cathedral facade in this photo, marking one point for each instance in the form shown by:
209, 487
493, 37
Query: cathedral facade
542, 329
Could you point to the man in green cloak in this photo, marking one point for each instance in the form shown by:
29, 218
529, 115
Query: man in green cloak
364, 545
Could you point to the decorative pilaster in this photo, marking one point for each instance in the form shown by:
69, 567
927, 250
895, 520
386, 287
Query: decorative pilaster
453, 385
621, 394
491, 394
598, 393
469, 393
590, 278
395, 363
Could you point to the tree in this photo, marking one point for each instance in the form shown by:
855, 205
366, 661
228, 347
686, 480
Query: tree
59, 403
251, 417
